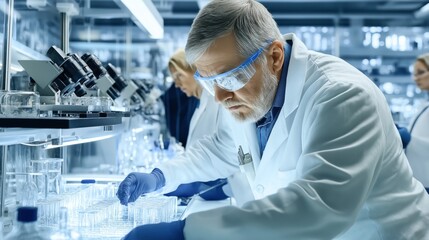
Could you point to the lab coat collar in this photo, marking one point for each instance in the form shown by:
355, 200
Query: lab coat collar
294, 87
296, 74
278, 99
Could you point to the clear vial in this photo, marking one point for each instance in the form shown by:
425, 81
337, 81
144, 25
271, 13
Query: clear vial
27, 193
63, 233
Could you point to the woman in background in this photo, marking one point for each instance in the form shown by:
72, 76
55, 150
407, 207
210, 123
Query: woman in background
417, 150
203, 121
179, 109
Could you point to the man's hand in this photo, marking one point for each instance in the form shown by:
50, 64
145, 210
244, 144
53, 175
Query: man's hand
136, 184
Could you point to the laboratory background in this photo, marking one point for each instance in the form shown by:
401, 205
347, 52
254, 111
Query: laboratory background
83, 87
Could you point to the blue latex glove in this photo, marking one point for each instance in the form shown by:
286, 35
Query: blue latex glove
160, 231
216, 193
185, 190
190, 189
136, 184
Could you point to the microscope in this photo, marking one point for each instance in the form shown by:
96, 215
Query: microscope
71, 76
66, 75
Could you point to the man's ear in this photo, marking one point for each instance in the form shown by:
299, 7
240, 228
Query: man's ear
276, 55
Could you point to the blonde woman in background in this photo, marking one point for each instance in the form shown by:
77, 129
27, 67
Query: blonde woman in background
203, 121
417, 150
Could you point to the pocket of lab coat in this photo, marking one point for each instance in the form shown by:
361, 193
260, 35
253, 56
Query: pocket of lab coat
249, 171
241, 189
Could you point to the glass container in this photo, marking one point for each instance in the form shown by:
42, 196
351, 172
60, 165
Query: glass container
20, 104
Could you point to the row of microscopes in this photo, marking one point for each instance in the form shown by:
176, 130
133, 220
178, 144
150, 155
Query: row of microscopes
71, 76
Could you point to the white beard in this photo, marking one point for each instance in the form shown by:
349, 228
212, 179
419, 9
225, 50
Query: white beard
263, 102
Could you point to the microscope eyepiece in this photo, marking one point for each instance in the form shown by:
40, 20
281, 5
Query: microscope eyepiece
56, 55
113, 93
94, 64
74, 71
90, 75
120, 82
79, 91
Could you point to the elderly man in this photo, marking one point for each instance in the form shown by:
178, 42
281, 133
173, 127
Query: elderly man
326, 161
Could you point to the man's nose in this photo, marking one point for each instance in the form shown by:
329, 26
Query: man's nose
222, 95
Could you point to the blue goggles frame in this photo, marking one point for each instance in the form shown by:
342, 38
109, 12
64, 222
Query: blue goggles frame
235, 78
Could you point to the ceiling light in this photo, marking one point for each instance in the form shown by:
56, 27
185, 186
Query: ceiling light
146, 16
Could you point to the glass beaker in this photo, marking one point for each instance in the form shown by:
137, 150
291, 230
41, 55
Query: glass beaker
20, 104
27, 192
2, 93
51, 170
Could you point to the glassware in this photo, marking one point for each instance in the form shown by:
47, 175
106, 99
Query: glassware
153, 209
20, 104
27, 192
51, 170
49, 211
26, 227
63, 233
88, 101
96, 213
2, 93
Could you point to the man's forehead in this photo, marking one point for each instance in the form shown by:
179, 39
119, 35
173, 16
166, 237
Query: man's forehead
222, 54
213, 58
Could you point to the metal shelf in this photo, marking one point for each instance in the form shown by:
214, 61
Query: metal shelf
58, 122
53, 138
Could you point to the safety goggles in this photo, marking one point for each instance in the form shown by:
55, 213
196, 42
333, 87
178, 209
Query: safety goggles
233, 79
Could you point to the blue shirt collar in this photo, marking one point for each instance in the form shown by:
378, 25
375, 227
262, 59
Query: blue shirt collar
281, 89
265, 125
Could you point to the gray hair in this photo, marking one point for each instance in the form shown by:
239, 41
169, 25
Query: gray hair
424, 59
249, 20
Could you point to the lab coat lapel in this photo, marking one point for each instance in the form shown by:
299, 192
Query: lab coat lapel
278, 136
294, 86
296, 75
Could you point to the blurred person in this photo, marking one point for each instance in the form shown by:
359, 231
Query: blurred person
205, 116
179, 109
323, 157
202, 123
404, 134
417, 150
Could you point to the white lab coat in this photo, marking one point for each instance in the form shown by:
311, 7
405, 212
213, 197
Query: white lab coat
333, 167
203, 121
418, 149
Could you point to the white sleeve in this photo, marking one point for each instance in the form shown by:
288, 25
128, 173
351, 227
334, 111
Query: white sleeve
209, 158
336, 171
